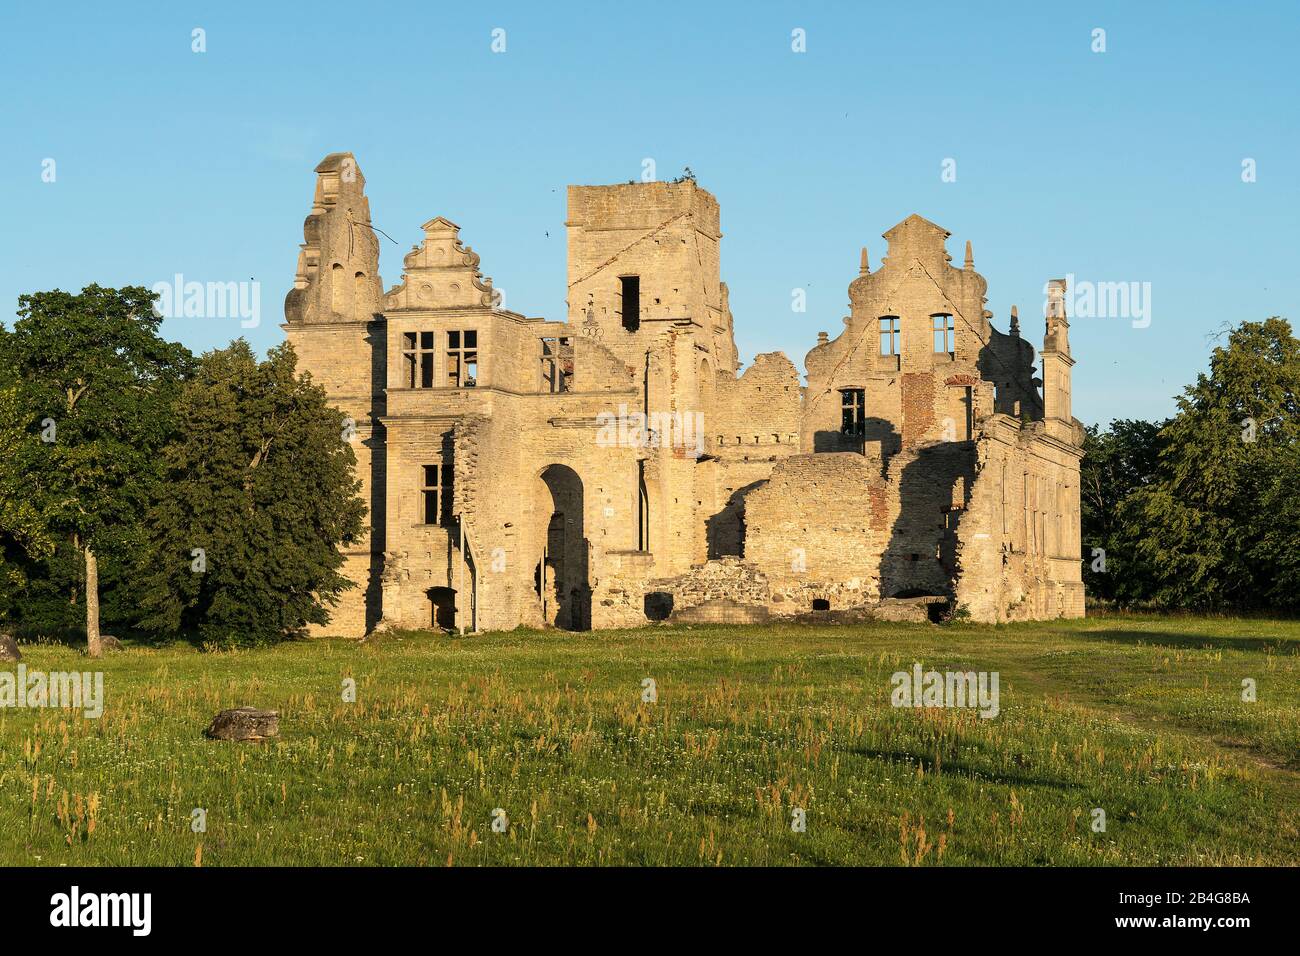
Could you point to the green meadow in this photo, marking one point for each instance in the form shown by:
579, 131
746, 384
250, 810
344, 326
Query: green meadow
548, 735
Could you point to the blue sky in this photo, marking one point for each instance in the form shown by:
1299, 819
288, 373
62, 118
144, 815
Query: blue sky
1122, 166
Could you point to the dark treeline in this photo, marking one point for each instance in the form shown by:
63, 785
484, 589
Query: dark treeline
156, 492
1202, 511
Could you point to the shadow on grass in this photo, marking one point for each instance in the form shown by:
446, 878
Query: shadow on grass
959, 769
1191, 641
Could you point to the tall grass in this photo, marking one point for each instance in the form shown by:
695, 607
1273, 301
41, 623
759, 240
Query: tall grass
1141, 717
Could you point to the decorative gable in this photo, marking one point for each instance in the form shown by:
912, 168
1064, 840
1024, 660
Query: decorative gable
441, 273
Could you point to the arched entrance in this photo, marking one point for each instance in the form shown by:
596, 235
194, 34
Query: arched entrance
561, 575
442, 607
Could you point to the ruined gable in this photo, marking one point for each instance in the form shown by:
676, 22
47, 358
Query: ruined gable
338, 264
601, 469
759, 409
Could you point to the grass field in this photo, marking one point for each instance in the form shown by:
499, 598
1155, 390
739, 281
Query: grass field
1141, 717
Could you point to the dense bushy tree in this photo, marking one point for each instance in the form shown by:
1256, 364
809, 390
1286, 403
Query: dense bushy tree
93, 386
258, 494
1219, 526
24, 530
1116, 462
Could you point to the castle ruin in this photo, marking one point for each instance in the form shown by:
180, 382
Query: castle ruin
617, 467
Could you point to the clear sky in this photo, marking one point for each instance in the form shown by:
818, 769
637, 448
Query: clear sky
1116, 166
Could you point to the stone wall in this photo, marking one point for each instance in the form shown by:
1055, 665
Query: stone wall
741, 492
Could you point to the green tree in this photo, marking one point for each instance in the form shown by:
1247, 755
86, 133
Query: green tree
95, 382
24, 529
259, 494
1116, 462
1220, 526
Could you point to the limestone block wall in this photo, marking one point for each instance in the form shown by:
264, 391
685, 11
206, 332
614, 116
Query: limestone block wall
727, 578
816, 530
1019, 539
620, 598
926, 489
754, 425
349, 617
345, 358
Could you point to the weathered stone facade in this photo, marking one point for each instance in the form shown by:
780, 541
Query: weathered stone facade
614, 467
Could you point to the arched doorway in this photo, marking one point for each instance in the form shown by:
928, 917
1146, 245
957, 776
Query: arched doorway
706, 386
442, 608
561, 575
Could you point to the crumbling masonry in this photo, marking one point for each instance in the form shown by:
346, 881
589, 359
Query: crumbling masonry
614, 467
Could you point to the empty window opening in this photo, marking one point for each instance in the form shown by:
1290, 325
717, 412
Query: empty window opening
435, 494
945, 334
462, 359
821, 604
338, 292
889, 335
557, 365
417, 359
642, 510
853, 412
630, 301
959, 492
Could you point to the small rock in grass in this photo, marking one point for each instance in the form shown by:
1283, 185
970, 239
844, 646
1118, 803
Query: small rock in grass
9, 648
244, 723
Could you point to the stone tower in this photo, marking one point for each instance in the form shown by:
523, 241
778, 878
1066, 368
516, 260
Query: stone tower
334, 321
644, 281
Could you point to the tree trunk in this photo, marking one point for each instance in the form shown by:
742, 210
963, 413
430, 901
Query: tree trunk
93, 647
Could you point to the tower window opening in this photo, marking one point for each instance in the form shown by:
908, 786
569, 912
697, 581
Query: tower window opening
630, 295
462, 359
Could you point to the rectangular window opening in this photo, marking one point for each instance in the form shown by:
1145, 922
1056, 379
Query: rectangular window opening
944, 333
889, 335
853, 412
431, 493
417, 359
436, 494
557, 365
630, 301
462, 358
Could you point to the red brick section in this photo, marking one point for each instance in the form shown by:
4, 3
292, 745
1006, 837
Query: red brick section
918, 406
879, 508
